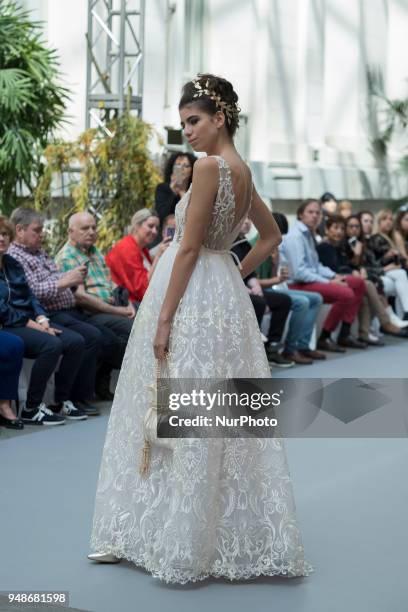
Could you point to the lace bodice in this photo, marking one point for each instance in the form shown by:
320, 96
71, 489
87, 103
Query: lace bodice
224, 226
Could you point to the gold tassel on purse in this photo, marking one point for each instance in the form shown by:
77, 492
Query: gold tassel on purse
145, 465
151, 417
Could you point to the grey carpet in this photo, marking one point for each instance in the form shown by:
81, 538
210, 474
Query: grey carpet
352, 500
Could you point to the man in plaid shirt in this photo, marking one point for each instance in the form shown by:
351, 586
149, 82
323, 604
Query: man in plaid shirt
55, 292
95, 294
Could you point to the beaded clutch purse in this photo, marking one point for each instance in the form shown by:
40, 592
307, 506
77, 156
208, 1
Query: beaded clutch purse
157, 413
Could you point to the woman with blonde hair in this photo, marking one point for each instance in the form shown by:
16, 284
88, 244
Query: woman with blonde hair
129, 260
385, 250
383, 241
345, 209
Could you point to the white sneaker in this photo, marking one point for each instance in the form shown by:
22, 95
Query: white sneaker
395, 320
104, 558
72, 412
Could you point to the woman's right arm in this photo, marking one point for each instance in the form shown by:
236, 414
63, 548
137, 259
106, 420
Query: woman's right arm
269, 235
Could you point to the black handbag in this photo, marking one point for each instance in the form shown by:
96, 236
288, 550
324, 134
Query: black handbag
120, 296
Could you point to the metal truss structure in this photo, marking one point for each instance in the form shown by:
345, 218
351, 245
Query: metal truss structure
115, 58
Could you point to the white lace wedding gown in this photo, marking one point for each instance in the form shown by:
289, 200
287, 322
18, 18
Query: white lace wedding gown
211, 507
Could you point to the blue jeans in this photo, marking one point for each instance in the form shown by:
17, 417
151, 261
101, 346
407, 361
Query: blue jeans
304, 310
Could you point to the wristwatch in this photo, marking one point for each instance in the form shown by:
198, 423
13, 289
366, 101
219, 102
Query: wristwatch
42, 319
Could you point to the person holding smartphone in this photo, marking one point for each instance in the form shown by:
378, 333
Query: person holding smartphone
177, 180
167, 235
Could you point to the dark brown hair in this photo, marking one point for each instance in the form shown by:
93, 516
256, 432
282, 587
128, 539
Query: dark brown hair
172, 160
304, 205
397, 225
222, 89
355, 217
335, 220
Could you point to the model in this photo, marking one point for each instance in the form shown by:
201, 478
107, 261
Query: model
208, 507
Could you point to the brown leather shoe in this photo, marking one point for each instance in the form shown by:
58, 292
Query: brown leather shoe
325, 344
312, 354
298, 358
350, 342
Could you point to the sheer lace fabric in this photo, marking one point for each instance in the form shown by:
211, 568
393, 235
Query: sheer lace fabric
213, 507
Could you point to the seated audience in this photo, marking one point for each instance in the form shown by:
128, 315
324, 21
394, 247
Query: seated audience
401, 231
177, 180
383, 243
308, 274
104, 307
332, 253
385, 250
345, 208
22, 315
129, 260
53, 291
273, 275
363, 263
11, 361
279, 304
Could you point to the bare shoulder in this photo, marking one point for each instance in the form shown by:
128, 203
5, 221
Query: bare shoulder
206, 167
206, 177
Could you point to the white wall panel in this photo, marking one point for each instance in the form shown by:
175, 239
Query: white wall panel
298, 65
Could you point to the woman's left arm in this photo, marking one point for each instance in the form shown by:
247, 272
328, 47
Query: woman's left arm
199, 215
399, 241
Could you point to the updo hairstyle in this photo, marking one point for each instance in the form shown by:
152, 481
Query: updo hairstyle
212, 94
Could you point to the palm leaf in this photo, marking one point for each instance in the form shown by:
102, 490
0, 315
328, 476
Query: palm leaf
15, 89
32, 101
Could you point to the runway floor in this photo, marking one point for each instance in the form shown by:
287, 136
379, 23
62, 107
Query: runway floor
351, 494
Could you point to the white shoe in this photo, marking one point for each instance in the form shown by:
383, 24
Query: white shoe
103, 558
395, 320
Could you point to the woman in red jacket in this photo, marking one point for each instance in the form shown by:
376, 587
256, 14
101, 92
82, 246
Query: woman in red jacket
129, 260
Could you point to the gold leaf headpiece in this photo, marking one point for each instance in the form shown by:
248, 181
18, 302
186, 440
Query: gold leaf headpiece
231, 111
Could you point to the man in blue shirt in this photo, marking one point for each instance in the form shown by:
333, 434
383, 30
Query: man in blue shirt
306, 273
